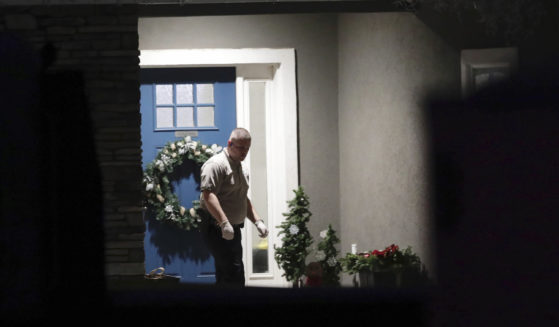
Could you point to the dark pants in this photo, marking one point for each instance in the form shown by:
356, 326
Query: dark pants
228, 255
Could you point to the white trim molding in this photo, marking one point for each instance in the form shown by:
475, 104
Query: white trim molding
278, 66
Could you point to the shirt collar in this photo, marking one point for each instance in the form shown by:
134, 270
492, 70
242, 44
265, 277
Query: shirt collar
231, 163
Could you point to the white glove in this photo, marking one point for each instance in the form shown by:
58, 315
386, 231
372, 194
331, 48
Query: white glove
227, 231
262, 230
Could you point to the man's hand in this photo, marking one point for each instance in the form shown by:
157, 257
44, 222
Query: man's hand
227, 231
262, 230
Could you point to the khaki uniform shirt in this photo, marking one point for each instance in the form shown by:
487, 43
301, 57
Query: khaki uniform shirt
229, 182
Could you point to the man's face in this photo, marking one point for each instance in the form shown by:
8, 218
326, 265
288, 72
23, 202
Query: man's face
238, 149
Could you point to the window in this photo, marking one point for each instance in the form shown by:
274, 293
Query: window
484, 77
184, 106
483, 67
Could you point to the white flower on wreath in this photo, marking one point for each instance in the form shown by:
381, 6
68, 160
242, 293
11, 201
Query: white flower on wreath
193, 212
173, 217
182, 151
192, 145
169, 208
320, 255
293, 229
166, 159
173, 146
209, 151
324, 233
188, 139
332, 261
149, 187
160, 165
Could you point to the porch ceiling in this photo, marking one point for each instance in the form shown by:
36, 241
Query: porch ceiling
223, 7
177, 2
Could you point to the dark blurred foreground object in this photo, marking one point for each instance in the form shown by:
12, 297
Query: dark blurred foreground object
495, 170
51, 215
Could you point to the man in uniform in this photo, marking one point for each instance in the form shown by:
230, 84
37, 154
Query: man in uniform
225, 206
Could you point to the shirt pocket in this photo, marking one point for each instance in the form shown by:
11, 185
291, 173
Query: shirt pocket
230, 179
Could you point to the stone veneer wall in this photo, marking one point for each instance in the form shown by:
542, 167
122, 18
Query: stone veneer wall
102, 43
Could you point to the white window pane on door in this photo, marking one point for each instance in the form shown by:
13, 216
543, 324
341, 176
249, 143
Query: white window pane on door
185, 117
184, 94
164, 117
206, 116
205, 93
164, 94
259, 254
259, 173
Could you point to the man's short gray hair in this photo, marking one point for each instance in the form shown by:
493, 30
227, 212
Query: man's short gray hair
239, 134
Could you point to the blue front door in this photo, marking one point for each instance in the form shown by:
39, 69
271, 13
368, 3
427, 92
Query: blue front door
179, 102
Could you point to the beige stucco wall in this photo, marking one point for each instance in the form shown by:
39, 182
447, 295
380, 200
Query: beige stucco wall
388, 63
313, 36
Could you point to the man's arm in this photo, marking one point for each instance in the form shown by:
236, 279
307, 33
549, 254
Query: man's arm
214, 207
251, 213
253, 216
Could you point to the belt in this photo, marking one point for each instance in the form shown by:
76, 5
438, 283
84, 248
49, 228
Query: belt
205, 214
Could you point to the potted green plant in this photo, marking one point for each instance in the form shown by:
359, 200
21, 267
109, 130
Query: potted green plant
327, 257
296, 240
390, 267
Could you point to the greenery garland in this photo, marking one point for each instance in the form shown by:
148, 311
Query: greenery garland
158, 193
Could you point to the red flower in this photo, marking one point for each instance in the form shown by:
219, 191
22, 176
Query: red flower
379, 253
391, 249
388, 251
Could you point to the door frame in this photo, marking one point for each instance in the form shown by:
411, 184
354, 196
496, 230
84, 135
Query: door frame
282, 151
